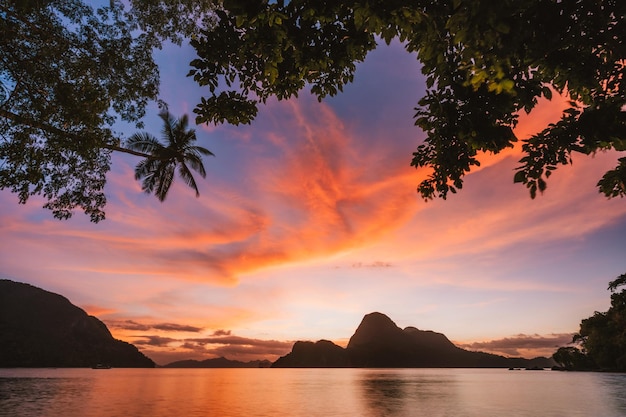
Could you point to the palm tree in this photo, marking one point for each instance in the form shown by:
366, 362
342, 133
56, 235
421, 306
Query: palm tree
158, 169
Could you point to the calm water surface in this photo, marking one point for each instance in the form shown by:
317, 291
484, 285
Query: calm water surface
309, 392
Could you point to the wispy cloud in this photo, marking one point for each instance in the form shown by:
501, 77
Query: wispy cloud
154, 340
310, 186
309, 195
229, 346
375, 264
522, 345
168, 327
232, 340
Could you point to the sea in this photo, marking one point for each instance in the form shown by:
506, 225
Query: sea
267, 392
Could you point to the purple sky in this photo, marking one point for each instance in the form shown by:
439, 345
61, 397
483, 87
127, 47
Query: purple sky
309, 219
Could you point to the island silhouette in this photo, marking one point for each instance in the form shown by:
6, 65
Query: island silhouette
43, 329
379, 343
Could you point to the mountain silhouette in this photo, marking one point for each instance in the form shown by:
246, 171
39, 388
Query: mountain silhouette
42, 329
321, 354
379, 343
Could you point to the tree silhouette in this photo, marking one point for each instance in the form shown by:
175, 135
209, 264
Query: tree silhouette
602, 337
158, 169
484, 64
69, 73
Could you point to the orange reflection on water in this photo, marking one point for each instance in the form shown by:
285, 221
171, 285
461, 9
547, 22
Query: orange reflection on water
309, 393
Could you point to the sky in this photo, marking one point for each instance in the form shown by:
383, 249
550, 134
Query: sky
309, 219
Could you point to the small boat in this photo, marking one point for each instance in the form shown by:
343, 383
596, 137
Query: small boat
101, 366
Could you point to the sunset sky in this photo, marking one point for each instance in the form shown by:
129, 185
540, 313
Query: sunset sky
309, 219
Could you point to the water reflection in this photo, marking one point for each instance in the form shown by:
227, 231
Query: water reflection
33, 396
384, 395
309, 393
485, 393
400, 393
615, 385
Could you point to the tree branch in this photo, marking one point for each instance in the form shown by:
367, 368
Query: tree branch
54, 130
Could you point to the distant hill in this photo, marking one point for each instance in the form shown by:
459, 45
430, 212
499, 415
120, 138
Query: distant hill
321, 354
379, 343
42, 329
220, 362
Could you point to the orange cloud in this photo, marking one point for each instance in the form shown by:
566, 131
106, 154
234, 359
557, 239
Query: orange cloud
331, 196
502, 212
544, 113
493, 219
312, 194
311, 190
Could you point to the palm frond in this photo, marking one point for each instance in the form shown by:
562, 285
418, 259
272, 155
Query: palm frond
149, 182
165, 179
143, 142
181, 132
201, 150
145, 168
174, 150
185, 138
186, 175
167, 132
195, 162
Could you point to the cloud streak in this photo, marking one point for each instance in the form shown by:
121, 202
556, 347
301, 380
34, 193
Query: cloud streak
168, 327
166, 349
309, 219
154, 340
522, 345
375, 264
325, 198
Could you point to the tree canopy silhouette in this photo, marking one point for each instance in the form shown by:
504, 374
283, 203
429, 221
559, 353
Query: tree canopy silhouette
484, 63
68, 73
601, 338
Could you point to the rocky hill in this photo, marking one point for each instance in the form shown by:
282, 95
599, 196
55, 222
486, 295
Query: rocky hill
42, 329
321, 354
379, 343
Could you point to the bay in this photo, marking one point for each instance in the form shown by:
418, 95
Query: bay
309, 392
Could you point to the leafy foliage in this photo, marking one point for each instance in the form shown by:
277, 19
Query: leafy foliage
484, 63
169, 20
275, 49
68, 73
571, 358
602, 337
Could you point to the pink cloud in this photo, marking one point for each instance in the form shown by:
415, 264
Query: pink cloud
521, 345
311, 195
166, 327
313, 191
165, 349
